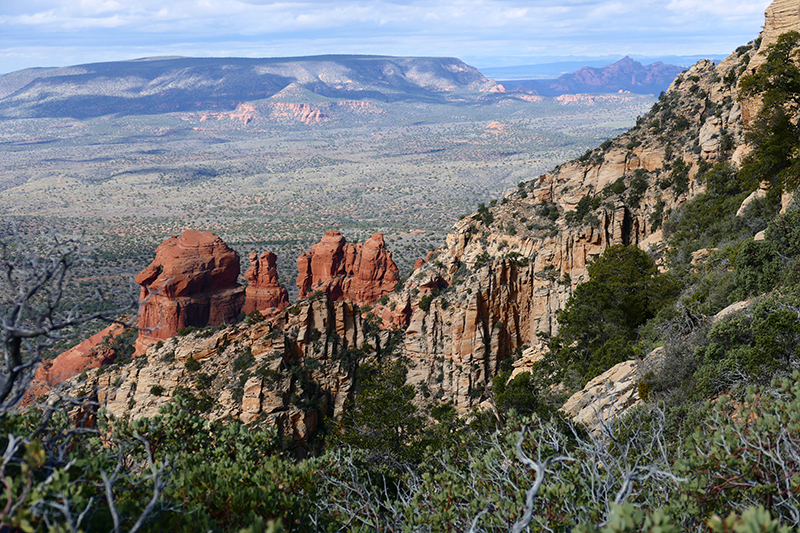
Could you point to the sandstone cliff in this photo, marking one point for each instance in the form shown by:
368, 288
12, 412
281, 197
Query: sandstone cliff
264, 293
362, 272
191, 282
94, 352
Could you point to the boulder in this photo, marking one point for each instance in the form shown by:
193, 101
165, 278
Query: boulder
264, 293
191, 282
362, 273
606, 397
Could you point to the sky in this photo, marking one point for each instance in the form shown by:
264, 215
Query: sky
483, 33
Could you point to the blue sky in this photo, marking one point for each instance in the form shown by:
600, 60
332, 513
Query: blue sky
484, 33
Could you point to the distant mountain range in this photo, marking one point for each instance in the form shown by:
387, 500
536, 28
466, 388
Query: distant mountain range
552, 68
179, 84
624, 75
161, 85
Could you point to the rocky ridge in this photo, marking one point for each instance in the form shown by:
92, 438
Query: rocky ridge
624, 75
221, 85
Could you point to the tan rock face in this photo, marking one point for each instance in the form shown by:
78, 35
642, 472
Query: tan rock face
457, 345
361, 272
88, 354
301, 369
264, 293
780, 17
191, 282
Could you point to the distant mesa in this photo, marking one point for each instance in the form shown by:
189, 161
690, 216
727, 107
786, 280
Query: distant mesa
191, 282
216, 85
264, 293
360, 272
625, 75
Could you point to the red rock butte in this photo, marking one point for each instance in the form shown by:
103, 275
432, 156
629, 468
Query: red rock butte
191, 282
264, 294
362, 272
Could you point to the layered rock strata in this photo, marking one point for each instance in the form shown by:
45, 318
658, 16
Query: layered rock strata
191, 282
362, 273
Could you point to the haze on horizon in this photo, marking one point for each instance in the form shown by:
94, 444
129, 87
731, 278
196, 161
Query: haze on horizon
483, 33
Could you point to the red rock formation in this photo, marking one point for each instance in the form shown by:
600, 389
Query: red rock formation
362, 273
191, 282
90, 353
264, 293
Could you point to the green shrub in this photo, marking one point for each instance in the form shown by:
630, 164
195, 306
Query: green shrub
192, 364
758, 268
638, 187
182, 332
484, 215
737, 459
680, 176
425, 302
618, 187
381, 418
203, 381
244, 360
598, 326
254, 318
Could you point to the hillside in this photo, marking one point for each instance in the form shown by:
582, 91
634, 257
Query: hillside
161, 85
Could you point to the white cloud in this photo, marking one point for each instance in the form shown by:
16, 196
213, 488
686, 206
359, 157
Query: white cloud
724, 9
464, 28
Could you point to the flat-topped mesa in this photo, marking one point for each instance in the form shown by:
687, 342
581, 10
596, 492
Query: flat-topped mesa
191, 282
362, 272
264, 293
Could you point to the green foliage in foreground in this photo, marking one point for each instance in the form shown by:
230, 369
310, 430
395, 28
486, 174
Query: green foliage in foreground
197, 475
742, 461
